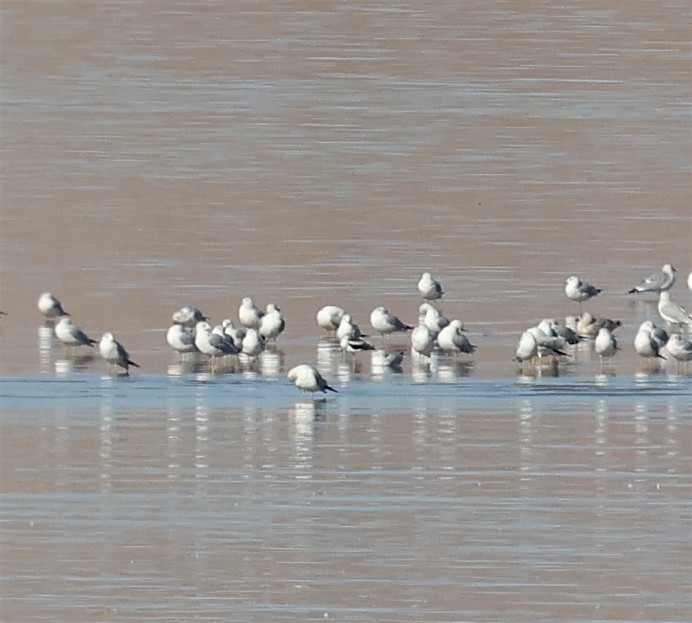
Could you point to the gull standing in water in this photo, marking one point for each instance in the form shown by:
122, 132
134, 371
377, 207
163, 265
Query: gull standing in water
114, 352
181, 339
453, 341
249, 315
429, 289
50, 307
212, 344
329, 317
606, 344
423, 340
671, 312
657, 282
272, 324
308, 379
680, 349
580, 291
650, 340
385, 323
70, 334
348, 328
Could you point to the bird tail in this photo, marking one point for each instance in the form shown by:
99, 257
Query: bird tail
330, 388
132, 363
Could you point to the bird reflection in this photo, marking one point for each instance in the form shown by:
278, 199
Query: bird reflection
328, 358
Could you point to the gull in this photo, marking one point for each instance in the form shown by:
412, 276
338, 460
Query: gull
423, 340
249, 315
50, 307
253, 344
588, 325
212, 344
671, 312
329, 318
181, 339
114, 352
307, 378
689, 281
606, 344
453, 341
680, 349
659, 334
188, 316
385, 323
529, 348
548, 340
657, 282
646, 346
348, 328
70, 334
550, 326
432, 318
429, 289
272, 324
580, 291
235, 334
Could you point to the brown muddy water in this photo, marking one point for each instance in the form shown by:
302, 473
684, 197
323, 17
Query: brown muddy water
157, 154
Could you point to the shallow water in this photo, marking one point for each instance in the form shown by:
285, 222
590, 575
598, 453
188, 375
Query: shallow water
156, 154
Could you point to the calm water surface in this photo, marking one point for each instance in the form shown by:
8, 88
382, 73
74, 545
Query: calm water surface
156, 154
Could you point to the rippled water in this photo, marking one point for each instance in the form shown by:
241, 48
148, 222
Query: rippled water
156, 154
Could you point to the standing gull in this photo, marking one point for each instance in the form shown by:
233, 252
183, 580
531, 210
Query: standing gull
580, 291
329, 317
181, 339
212, 344
680, 349
308, 379
657, 282
70, 334
249, 315
671, 312
385, 323
50, 307
646, 345
453, 341
429, 289
114, 352
606, 344
272, 324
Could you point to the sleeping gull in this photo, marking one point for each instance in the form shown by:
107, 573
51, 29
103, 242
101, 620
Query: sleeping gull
308, 379
680, 349
385, 323
114, 352
188, 316
253, 344
235, 334
429, 289
453, 341
272, 324
671, 312
606, 344
329, 317
348, 328
657, 282
432, 318
380, 358
646, 346
580, 291
50, 307
181, 339
249, 315
70, 334
423, 340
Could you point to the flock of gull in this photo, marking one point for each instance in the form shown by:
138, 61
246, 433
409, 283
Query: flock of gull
545, 343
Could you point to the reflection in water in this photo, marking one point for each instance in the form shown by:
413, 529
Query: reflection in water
45, 347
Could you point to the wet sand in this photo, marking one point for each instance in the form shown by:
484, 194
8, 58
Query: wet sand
157, 154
